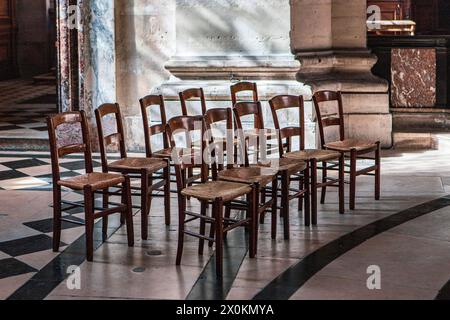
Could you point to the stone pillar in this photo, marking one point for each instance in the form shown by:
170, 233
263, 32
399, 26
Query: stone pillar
145, 41
329, 39
97, 49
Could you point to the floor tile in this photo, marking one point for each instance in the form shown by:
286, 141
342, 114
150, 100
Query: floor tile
27, 245
10, 285
26, 163
22, 183
46, 225
13, 267
11, 174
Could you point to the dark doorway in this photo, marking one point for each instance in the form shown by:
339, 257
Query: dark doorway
28, 83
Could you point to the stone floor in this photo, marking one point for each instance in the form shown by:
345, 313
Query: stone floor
24, 107
405, 234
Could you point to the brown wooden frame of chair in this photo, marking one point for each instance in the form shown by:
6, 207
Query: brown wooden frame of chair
144, 174
329, 96
146, 103
189, 94
285, 177
124, 208
289, 101
220, 225
242, 87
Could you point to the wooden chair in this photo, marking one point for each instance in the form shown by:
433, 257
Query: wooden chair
89, 183
259, 176
285, 168
191, 94
353, 148
142, 168
147, 103
217, 193
311, 156
244, 86
236, 91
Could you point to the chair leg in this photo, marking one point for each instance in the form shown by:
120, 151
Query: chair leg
201, 242
274, 208
56, 217
285, 203
181, 226
126, 199
353, 160
89, 217
167, 195
313, 195
342, 184
227, 215
307, 196
218, 212
301, 186
251, 214
263, 201
256, 206
324, 180
144, 204
378, 173
105, 218
149, 196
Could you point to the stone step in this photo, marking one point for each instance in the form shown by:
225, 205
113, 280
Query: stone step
24, 144
421, 120
415, 141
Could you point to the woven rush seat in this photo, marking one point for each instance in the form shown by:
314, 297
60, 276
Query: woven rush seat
96, 181
133, 164
292, 165
255, 174
307, 155
165, 153
224, 190
351, 144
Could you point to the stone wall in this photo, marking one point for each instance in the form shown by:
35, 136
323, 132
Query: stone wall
164, 47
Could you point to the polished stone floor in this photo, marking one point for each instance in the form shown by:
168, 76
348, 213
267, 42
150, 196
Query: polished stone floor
405, 235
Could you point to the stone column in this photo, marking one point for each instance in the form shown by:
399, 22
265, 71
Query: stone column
145, 41
97, 49
329, 39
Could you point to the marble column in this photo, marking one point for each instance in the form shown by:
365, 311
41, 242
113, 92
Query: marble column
97, 49
329, 39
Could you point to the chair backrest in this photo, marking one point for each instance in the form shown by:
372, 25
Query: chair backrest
117, 139
243, 87
287, 133
185, 158
326, 119
57, 151
213, 116
190, 94
242, 109
149, 102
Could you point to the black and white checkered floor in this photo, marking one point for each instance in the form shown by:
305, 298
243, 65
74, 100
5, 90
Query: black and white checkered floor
34, 172
24, 108
27, 177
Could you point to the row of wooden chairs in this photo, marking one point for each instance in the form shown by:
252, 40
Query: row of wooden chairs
225, 189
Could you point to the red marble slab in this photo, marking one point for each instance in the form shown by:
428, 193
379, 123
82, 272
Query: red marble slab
413, 78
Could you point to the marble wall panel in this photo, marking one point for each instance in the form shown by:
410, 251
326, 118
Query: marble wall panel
413, 78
